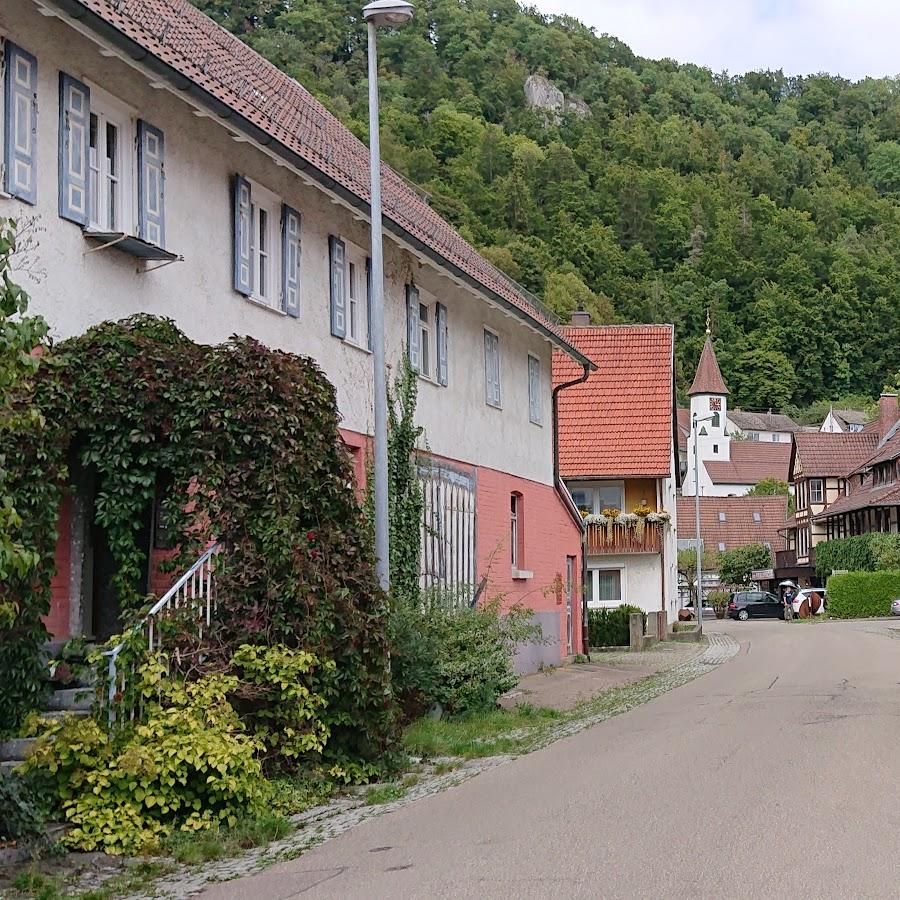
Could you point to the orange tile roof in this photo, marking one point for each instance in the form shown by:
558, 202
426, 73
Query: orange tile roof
832, 454
684, 427
708, 379
619, 423
189, 49
751, 462
740, 526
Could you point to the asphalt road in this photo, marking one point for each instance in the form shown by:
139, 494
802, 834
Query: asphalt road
775, 775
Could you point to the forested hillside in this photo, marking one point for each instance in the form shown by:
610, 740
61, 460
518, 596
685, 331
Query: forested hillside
770, 200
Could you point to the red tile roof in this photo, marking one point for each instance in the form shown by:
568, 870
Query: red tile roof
195, 51
831, 454
751, 462
708, 379
619, 423
684, 428
740, 526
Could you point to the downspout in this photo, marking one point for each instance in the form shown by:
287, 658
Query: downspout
567, 500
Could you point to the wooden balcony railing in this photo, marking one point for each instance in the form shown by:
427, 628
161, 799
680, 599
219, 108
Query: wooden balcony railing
785, 559
623, 540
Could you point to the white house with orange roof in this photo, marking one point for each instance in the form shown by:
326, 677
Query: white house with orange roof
618, 454
171, 170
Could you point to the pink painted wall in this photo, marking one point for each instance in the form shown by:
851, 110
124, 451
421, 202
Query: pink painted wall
549, 536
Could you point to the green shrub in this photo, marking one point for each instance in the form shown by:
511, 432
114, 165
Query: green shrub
862, 553
459, 657
861, 594
609, 627
283, 712
189, 765
21, 812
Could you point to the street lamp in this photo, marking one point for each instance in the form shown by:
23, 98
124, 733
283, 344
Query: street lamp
378, 14
698, 600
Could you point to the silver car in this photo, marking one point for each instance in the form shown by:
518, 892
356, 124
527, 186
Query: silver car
895, 607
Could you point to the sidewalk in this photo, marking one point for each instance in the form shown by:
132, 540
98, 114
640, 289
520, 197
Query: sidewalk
567, 686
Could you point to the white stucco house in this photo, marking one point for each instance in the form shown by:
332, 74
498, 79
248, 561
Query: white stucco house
619, 457
169, 169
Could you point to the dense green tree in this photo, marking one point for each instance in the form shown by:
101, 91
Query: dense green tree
736, 565
772, 200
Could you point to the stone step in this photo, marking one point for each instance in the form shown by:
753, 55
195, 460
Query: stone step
76, 698
7, 765
58, 714
15, 748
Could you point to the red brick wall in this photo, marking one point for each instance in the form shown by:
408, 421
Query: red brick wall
549, 535
57, 621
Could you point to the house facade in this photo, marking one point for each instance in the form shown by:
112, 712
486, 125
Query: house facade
844, 420
166, 168
842, 483
619, 458
730, 463
761, 426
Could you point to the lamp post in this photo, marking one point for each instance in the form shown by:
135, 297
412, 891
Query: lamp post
376, 15
698, 601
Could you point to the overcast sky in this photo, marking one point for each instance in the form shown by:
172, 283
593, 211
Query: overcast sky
853, 38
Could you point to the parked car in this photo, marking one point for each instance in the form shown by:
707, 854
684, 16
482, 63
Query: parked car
744, 605
806, 594
895, 607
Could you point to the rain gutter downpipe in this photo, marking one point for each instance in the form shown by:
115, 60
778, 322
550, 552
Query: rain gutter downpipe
567, 499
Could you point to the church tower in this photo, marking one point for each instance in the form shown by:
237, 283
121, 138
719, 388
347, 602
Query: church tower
709, 397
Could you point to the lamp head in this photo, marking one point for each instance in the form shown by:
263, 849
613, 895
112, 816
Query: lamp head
388, 12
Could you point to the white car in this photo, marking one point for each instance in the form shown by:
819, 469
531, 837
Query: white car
895, 607
816, 599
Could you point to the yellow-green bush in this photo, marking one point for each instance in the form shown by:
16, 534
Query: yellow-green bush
189, 764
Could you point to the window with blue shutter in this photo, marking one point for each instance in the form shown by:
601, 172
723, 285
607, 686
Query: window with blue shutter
441, 326
535, 406
74, 149
337, 255
290, 259
243, 225
20, 125
151, 184
413, 327
369, 302
491, 368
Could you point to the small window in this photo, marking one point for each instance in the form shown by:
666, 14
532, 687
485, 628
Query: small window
753, 436
607, 587
491, 368
584, 501
715, 420
767, 545
757, 517
263, 241
816, 490
722, 517
776, 436
515, 530
110, 176
715, 448
721, 546
535, 406
353, 306
426, 347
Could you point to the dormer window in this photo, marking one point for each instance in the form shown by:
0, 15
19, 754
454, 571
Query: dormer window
722, 517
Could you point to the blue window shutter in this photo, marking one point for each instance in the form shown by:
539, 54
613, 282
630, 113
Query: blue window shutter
20, 112
338, 264
243, 224
412, 327
441, 325
151, 184
290, 259
74, 149
369, 302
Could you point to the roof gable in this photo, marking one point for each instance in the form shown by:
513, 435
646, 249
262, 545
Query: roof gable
620, 422
832, 454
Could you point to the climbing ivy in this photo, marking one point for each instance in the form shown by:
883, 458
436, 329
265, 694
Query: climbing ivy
243, 442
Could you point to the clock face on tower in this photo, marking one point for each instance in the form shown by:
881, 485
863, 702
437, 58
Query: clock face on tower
715, 404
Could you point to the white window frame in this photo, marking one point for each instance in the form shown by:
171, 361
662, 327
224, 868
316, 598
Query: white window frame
535, 392
592, 491
515, 523
427, 338
356, 286
498, 404
264, 200
108, 109
820, 483
594, 576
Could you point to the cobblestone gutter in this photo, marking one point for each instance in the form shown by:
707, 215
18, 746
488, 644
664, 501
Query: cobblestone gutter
317, 825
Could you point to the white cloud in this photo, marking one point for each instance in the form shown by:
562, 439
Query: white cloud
853, 39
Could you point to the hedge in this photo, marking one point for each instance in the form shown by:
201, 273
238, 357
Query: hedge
609, 627
863, 553
861, 594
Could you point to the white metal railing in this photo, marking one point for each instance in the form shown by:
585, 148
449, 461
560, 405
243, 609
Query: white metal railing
194, 590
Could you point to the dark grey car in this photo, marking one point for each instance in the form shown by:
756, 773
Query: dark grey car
745, 605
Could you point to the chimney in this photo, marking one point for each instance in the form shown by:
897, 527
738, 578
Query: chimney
582, 319
888, 413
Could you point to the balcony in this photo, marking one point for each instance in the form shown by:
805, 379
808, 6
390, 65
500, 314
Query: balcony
785, 559
622, 539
